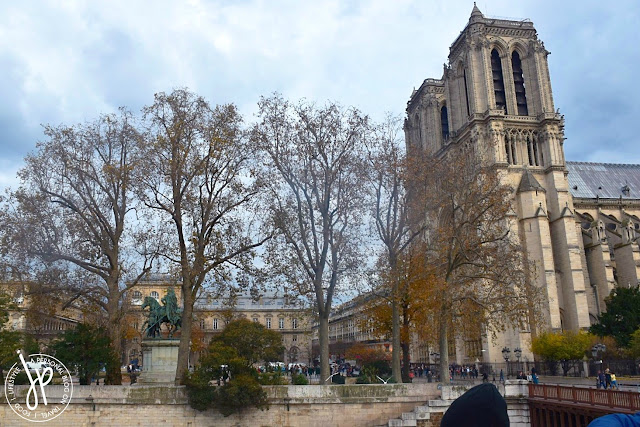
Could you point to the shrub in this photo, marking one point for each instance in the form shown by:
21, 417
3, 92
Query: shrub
300, 379
272, 378
240, 393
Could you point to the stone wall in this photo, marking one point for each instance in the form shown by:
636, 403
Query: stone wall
335, 405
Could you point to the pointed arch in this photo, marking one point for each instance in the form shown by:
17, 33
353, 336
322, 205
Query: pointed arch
518, 84
444, 122
498, 81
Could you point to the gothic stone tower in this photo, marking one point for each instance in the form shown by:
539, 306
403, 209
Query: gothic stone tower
495, 96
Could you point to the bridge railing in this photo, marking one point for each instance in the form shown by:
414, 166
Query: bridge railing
581, 395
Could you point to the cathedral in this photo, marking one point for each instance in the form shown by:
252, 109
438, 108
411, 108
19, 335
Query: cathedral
579, 222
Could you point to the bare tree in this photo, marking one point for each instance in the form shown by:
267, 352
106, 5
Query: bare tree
389, 175
482, 274
313, 164
197, 174
73, 209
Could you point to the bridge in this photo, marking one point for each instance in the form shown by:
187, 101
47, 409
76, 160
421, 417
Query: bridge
565, 406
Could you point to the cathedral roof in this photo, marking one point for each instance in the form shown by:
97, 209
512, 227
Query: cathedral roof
529, 183
604, 180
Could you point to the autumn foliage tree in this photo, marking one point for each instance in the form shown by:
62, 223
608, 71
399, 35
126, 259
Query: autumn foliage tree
412, 278
72, 212
564, 347
388, 180
481, 271
312, 159
197, 178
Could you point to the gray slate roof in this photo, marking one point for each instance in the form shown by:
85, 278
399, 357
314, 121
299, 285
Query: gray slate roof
606, 180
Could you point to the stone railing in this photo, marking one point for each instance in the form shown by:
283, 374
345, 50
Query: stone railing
138, 405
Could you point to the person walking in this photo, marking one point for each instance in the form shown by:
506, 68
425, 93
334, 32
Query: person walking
614, 381
501, 376
602, 380
607, 378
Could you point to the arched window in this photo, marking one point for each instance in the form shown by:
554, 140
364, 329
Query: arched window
518, 83
466, 92
155, 295
498, 81
444, 121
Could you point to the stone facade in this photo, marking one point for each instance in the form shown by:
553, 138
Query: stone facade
212, 314
308, 406
495, 99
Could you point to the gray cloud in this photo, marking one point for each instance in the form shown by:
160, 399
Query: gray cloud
69, 62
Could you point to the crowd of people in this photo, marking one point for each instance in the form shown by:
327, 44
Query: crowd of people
607, 380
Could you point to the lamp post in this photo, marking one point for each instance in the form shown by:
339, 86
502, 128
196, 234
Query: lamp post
506, 353
518, 353
436, 357
596, 352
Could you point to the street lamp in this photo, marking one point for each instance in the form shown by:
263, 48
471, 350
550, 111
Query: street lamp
518, 353
596, 352
506, 353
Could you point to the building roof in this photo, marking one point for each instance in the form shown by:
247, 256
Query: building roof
529, 183
604, 180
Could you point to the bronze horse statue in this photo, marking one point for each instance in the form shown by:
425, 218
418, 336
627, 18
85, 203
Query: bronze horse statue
169, 314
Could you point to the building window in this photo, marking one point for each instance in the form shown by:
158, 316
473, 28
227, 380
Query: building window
294, 338
201, 323
255, 319
137, 297
444, 122
466, 92
268, 323
155, 295
518, 83
498, 81
281, 323
215, 323
294, 323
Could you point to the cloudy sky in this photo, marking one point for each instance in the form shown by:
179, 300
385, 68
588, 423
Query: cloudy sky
69, 61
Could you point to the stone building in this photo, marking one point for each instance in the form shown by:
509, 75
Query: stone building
578, 221
213, 313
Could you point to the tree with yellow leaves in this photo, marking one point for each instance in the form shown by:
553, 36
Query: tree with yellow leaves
481, 274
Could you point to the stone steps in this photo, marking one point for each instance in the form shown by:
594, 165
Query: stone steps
422, 412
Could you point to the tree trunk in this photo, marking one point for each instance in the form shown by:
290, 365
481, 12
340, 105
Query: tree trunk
444, 347
323, 334
406, 344
185, 334
395, 333
113, 375
406, 360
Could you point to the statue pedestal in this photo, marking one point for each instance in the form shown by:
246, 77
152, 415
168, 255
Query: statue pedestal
160, 361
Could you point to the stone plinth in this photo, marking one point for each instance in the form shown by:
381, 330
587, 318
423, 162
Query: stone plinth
160, 360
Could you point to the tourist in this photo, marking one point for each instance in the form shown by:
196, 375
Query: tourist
616, 420
602, 380
614, 381
501, 376
481, 405
607, 378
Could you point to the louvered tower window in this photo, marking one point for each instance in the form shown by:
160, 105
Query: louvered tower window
498, 81
444, 122
518, 83
466, 92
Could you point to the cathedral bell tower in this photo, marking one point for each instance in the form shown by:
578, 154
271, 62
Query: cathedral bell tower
495, 97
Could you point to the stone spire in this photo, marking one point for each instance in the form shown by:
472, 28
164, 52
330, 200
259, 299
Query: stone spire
529, 183
476, 15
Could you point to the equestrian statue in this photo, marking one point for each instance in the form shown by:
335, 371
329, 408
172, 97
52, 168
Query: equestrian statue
169, 314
